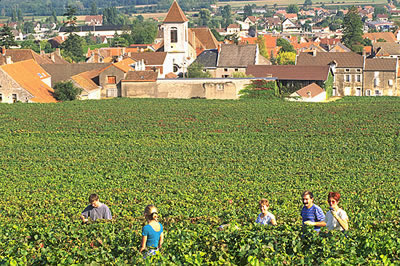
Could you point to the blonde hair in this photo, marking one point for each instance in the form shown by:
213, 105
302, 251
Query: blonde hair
149, 214
263, 202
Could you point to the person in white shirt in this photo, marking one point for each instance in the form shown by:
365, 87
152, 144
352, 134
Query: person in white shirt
265, 217
336, 218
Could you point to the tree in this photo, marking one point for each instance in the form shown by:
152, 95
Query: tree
72, 48
261, 46
144, 32
217, 35
195, 70
93, 8
241, 75
66, 91
286, 58
28, 27
7, 37
119, 41
285, 45
226, 16
20, 17
352, 30
247, 11
30, 44
205, 17
307, 3
292, 8
71, 19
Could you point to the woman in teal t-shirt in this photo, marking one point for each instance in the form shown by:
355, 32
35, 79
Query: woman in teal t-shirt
153, 236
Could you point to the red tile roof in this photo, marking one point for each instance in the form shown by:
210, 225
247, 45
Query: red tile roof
141, 76
289, 72
175, 14
29, 75
310, 91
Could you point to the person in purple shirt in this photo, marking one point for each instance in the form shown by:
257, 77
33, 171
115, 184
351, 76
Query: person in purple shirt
312, 214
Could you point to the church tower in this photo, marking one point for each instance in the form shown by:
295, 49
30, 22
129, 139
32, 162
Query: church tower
175, 28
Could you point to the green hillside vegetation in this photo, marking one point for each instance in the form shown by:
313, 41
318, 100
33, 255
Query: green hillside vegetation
202, 163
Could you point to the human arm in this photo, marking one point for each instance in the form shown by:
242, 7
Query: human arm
319, 218
161, 241
343, 221
143, 244
273, 221
320, 224
85, 214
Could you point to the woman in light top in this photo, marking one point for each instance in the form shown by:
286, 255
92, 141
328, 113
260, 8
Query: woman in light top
152, 233
336, 218
265, 217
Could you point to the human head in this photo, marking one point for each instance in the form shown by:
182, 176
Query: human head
333, 199
94, 200
150, 212
264, 205
308, 198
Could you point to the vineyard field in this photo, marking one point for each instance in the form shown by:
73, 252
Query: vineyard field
203, 163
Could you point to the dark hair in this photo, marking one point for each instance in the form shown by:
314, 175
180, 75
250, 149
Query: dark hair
93, 198
263, 202
305, 193
150, 215
334, 195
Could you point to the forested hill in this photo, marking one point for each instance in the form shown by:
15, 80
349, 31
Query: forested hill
46, 7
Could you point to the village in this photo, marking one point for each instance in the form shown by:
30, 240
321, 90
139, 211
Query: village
307, 61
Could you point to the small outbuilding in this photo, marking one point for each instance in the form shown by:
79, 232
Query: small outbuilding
309, 93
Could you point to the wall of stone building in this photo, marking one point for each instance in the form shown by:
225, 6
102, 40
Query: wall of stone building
8, 87
385, 87
185, 88
344, 88
222, 72
109, 89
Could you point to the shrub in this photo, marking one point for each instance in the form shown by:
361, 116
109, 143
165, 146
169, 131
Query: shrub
66, 91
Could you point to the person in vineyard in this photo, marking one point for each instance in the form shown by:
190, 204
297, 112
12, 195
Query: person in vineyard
95, 210
336, 218
265, 217
312, 214
152, 233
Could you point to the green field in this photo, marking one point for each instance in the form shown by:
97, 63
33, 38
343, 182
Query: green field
202, 163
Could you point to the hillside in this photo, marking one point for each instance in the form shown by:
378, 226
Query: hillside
202, 163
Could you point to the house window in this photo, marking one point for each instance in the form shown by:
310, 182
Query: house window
347, 70
347, 91
358, 69
176, 68
378, 93
236, 69
358, 78
334, 92
347, 78
368, 93
390, 82
225, 69
376, 82
174, 35
225, 76
111, 79
1, 97
358, 92
14, 98
112, 92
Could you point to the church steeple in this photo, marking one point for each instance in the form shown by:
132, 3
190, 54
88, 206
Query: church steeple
175, 14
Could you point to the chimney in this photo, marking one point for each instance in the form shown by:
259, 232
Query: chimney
8, 60
58, 52
3, 50
42, 52
52, 56
123, 50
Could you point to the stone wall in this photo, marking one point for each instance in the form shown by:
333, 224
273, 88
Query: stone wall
185, 88
8, 87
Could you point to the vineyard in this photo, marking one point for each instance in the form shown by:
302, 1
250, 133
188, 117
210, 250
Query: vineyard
202, 163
